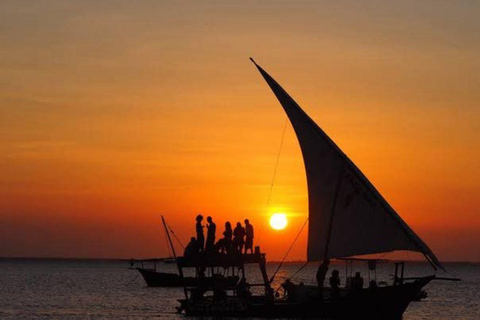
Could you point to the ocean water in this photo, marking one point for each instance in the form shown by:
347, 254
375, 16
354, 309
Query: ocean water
100, 289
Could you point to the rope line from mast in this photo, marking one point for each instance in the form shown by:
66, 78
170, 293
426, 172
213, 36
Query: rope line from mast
294, 274
276, 166
176, 238
300, 269
170, 254
288, 251
274, 172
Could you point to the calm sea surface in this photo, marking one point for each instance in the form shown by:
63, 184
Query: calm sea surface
91, 289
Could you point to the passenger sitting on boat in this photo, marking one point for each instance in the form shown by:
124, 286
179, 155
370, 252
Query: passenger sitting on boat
219, 293
249, 236
243, 289
223, 245
373, 285
197, 294
238, 237
289, 289
200, 236
301, 293
357, 282
191, 250
335, 283
211, 230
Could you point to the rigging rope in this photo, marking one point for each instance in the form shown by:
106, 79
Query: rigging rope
180, 242
276, 166
274, 173
126, 284
301, 268
170, 254
288, 251
296, 272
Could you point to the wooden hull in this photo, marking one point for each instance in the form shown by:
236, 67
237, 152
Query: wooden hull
382, 303
162, 279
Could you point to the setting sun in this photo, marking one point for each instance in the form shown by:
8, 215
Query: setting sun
278, 221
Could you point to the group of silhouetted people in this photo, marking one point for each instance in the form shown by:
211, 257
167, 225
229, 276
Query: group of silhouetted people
237, 240
355, 284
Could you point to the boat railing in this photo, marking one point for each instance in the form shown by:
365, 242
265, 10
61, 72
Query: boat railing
210, 260
206, 262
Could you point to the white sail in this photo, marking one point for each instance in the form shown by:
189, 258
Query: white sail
347, 215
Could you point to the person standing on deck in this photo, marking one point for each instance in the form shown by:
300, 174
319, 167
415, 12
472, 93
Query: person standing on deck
321, 274
238, 237
225, 243
357, 282
200, 236
227, 235
249, 236
335, 284
211, 229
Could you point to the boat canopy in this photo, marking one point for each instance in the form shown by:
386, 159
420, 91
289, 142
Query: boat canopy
347, 215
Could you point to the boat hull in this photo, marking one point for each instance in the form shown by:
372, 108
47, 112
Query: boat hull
382, 303
162, 279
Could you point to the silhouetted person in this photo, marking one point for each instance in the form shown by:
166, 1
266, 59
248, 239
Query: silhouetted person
243, 289
219, 293
211, 229
373, 285
200, 236
289, 288
224, 244
197, 294
228, 233
191, 250
301, 293
238, 237
322, 274
249, 236
357, 282
335, 284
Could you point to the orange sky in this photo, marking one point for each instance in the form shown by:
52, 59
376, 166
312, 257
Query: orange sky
114, 113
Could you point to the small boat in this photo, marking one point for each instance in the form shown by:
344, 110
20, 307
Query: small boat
383, 302
149, 270
151, 274
154, 278
348, 218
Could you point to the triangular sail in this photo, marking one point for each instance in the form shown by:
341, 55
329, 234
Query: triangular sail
347, 215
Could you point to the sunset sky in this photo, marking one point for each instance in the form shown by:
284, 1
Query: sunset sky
113, 113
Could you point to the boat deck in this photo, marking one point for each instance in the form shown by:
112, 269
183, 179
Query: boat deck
209, 260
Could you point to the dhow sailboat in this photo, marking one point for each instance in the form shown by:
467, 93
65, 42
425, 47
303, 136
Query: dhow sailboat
347, 217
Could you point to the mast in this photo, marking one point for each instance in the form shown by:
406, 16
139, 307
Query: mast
180, 271
169, 239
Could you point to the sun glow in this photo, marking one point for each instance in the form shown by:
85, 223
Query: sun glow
278, 221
